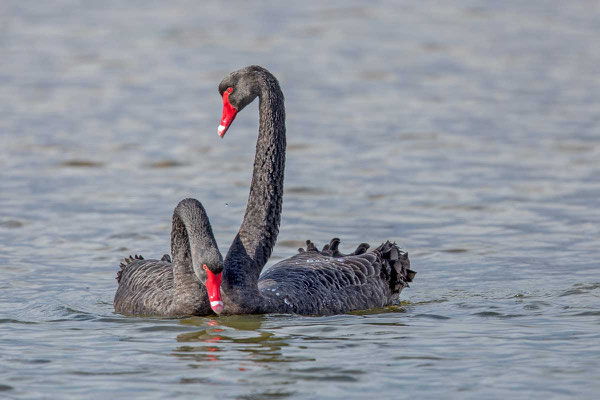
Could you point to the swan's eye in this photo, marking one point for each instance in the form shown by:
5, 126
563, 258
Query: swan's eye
229, 89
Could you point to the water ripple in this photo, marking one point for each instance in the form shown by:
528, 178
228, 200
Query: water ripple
482, 164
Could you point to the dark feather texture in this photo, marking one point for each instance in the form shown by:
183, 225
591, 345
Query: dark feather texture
153, 287
312, 282
327, 282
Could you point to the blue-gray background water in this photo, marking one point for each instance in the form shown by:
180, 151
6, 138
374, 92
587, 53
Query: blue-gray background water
468, 132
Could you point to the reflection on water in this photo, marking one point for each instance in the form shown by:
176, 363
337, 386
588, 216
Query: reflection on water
262, 343
241, 334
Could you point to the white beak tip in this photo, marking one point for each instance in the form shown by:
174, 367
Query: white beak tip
217, 306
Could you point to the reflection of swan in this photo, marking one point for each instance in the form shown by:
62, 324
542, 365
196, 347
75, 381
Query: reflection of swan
242, 334
313, 282
154, 287
213, 326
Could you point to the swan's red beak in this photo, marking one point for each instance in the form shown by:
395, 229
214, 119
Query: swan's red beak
213, 287
229, 113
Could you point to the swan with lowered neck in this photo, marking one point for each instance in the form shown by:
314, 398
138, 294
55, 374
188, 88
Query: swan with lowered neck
312, 282
190, 285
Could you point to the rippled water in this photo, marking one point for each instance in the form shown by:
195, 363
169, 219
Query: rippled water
468, 133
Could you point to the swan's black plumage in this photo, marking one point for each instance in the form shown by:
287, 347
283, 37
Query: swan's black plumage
312, 282
325, 282
146, 287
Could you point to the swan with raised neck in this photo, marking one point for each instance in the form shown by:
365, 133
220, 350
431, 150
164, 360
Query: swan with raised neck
313, 282
257, 235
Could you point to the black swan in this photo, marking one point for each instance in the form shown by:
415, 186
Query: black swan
188, 286
312, 282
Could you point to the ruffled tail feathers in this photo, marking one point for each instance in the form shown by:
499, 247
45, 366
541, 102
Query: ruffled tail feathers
332, 250
396, 264
126, 261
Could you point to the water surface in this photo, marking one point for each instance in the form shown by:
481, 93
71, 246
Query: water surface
469, 134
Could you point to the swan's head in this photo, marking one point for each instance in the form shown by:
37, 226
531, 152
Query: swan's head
239, 89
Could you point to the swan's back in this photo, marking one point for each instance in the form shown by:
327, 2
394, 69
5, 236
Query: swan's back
147, 287
144, 286
327, 282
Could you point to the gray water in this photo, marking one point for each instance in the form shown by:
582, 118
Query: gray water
469, 133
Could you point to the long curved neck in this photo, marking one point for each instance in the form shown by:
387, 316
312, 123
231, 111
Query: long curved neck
254, 242
191, 241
